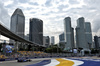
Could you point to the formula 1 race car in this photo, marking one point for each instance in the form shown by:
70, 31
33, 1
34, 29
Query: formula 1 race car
23, 60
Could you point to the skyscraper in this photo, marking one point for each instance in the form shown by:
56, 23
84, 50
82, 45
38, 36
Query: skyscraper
99, 41
77, 37
80, 34
88, 33
68, 31
61, 37
46, 41
72, 35
96, 42
18, 22
52, 40
62, 41
36, 31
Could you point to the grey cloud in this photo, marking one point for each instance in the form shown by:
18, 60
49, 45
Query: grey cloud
15, 2
94, 16
32, 12
73, 2
33, 3
29, 8
93, 3
62, 7
13, 5
96, 25
4, 17
48, 3
9, 6
45, 14
23, 1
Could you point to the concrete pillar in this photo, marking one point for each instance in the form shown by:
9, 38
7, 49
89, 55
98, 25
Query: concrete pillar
16, 46
25, 45
21, 45
33, 47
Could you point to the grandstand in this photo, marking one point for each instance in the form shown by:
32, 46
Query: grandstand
3, 56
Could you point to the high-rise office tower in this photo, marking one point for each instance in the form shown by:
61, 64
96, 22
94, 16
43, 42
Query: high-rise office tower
46, 41
96, 42
88, 33
72, 35
18, 23
99, 41
77, 37
52, 40
68, 31
61, 37
80, 34
36, 31
62, 41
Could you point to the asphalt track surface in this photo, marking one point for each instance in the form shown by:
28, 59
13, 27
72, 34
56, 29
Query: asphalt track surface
54, 62
68, 62
15, 63
92, 62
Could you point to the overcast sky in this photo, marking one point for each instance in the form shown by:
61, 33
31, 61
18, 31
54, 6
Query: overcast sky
52, 12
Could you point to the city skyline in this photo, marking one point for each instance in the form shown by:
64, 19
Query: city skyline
62, 9
49, 32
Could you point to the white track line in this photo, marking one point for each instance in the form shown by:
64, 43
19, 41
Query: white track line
54, 62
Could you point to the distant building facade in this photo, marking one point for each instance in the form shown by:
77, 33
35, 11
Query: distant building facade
36, 31
80, 34
99, 41
18, 23
27, 37
72, 35
52, 40
46, 41
96, 42
62, 41
83, 34
61, 37
68, 32
88, 33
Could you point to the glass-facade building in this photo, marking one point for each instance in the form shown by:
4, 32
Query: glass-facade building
80, 34
83, 34
69, 33
61, 37
96, 41
36, 31
46, 41
18, 22
52, 40
88, 33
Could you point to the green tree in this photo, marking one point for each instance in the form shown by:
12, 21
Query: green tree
53, 49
